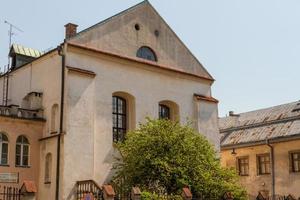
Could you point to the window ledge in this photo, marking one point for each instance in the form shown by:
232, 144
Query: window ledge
4, 165
295, 172
47, 182
263, 174
21, 166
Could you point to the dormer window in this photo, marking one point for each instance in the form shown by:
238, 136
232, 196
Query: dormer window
146, 53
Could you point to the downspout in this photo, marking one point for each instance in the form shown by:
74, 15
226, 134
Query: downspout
61, 52
272, 168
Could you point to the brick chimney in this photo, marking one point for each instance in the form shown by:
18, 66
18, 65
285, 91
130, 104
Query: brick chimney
71, 30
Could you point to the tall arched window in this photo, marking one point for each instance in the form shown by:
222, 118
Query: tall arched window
3, 149
119, 118
146, 53
48, 168
22, 152
54, 119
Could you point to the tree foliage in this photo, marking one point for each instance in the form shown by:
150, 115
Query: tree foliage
164, 156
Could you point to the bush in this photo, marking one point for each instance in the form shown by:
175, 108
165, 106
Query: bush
153, 196
163, 156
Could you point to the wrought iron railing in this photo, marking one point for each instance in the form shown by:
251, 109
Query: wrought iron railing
9, 193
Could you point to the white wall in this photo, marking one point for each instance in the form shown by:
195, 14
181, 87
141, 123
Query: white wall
88, 146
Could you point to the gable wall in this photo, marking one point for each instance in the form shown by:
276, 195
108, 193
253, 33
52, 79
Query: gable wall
119, 36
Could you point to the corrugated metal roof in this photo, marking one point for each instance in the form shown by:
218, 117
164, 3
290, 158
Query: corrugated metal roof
19, 49
269, 123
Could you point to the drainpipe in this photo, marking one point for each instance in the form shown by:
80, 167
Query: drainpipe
272, 168
61, 52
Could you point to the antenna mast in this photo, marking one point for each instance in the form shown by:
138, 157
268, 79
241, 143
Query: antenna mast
7, 67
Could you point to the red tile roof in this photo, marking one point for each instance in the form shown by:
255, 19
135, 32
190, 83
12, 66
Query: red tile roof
29, 187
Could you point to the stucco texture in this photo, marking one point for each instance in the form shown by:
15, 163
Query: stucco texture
118, 35
32, 130
286, 182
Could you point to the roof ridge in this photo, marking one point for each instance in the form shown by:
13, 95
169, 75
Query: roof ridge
260, 124
261, 109
110, 18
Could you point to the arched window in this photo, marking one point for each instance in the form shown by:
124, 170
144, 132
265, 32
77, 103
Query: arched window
3, 149
146, 53
54, 118
22, 152
119, 118
48, 168
168, 110
164, 112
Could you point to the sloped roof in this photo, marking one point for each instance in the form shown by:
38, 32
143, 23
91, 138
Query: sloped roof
278, 122
25, 51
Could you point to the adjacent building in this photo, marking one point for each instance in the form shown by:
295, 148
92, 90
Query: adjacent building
264, 147
63, 110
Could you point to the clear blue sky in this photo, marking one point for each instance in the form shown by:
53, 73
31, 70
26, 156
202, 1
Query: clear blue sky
251, 47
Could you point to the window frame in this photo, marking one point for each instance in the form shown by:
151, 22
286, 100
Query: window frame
118, 137
259, 164
22, 145
239, 165
160, 108
143, 53
292, 162
2, 142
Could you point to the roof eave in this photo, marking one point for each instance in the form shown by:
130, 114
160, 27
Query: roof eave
262, 142
138, 60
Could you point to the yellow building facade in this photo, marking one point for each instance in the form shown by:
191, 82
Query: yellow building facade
264, 147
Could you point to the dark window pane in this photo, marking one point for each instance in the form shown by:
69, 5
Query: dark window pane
25, 150
119, 118
4, 159
164, 112
146, 53
4, 148
3, 138
19, 140
18, 160
18, 149
25, 161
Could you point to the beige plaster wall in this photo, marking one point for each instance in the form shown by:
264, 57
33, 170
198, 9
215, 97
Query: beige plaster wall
118, 35
47, 189
207, 121
42, 75
33, 131
286, 182
88, 146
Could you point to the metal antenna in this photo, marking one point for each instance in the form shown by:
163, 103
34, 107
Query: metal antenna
11, 33
7, 68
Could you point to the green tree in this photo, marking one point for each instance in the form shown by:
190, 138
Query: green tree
164, 156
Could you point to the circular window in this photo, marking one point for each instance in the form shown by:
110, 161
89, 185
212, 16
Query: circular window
137, 27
